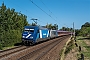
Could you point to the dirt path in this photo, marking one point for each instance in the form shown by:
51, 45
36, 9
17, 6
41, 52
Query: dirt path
72, 55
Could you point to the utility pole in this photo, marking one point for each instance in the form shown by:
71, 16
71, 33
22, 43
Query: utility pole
35, 20
73, 29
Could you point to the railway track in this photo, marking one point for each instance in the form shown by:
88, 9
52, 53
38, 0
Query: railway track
30, 52
40, 52
11, 51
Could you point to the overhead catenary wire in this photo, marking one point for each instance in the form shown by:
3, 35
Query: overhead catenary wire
47, 8
50, 11
32, 13
42, 10
29, 17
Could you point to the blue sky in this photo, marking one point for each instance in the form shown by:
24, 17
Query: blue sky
61, 12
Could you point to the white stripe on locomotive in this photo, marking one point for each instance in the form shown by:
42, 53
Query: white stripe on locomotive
28, 35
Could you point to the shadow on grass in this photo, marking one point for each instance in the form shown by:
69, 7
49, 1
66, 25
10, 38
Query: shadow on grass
84, 38
87, 47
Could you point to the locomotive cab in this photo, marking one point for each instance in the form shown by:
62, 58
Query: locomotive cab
29, 34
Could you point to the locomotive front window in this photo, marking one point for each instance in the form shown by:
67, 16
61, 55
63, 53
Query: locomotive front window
29, 30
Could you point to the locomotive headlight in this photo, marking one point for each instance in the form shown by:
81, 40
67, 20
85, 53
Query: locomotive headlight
23, 36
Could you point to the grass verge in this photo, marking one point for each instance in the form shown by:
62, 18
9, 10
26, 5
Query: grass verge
68, 46
85, 47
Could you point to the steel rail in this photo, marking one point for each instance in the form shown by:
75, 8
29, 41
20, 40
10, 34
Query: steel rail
31, 54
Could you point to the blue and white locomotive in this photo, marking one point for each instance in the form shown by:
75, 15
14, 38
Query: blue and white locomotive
33, 34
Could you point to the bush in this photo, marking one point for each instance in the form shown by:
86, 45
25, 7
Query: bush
11, 37
0, 46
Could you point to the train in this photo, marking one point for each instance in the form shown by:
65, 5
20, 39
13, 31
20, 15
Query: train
61, 33
35, 34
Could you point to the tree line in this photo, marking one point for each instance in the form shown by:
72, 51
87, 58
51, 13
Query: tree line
11, 26
49, 26
84, 31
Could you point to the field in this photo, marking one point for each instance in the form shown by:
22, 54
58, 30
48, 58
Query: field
84, 42
75, 53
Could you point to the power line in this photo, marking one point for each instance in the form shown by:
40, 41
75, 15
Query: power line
26, 12
42, 10
50, 11
45, 6
31, 13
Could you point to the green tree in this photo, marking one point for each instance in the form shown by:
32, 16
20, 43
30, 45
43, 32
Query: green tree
66, 29
53, 27
49, 26
87, 24
77, 31
11, 26
85, 29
